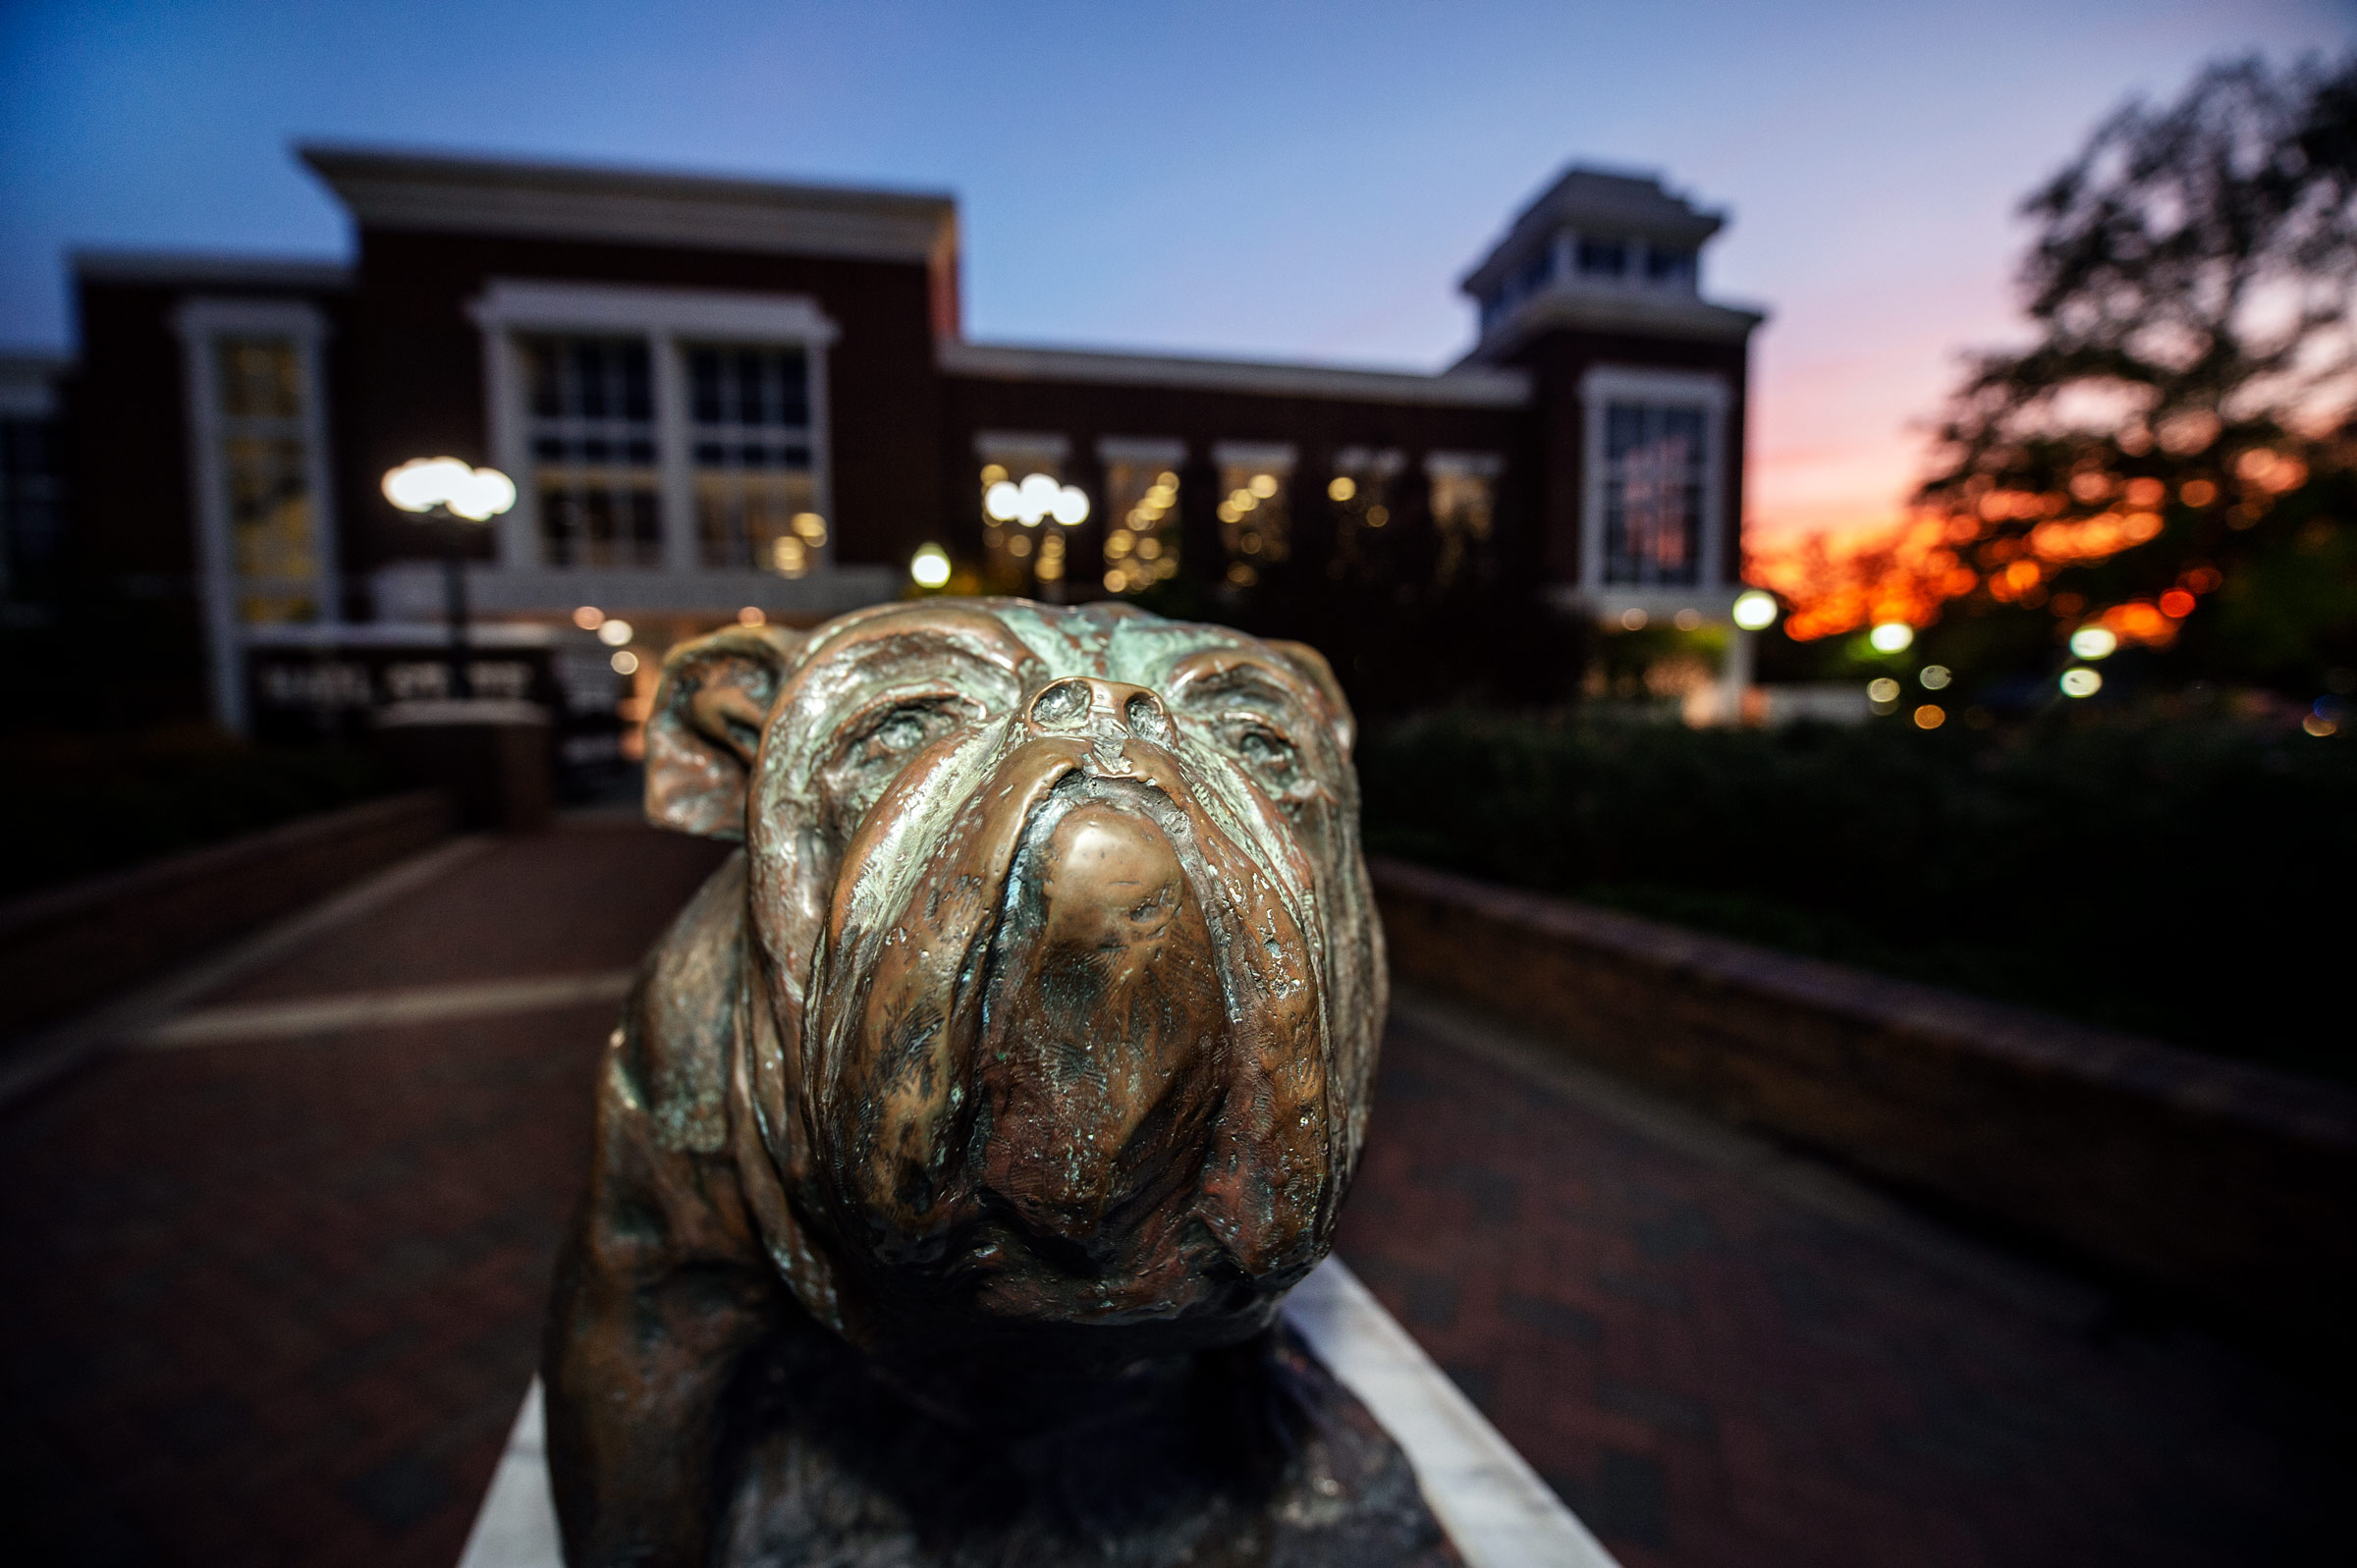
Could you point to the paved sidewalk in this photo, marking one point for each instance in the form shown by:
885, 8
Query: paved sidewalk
273, 1300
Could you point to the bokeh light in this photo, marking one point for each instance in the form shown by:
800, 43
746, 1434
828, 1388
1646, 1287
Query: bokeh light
614, 634
1931, 716
1891, 636
2081, 681
2093, 643
1755, 611
930, 568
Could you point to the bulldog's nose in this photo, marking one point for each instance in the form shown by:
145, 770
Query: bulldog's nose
1104, 710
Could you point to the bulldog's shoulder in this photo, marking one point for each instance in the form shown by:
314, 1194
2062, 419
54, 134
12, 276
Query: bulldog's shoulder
670, 1057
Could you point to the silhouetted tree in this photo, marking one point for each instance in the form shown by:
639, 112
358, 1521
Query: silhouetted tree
2174, 454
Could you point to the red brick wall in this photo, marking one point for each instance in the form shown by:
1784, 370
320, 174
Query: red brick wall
97, 940
2232, 1184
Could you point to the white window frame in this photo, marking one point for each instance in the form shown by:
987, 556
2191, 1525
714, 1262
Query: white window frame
1167, 450
667, 318
1008, 448
201, 323
1605, 385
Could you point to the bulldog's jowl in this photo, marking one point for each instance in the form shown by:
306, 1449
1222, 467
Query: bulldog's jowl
963, 1136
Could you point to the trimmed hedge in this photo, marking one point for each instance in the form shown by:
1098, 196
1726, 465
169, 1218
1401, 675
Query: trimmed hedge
2179, 880
74, 806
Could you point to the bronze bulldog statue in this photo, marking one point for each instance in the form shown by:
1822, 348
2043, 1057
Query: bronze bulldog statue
964, 1134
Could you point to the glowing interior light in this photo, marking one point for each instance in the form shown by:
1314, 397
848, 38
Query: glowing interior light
2081, 681
1002, 501
625, 662
1264, 485
1342, 488
1935, 677
1931, 716
930, 568
1882, 689
1755, 611
588, 617
1891, 636
2093, 643
1633, 619
1070, 506
614, 634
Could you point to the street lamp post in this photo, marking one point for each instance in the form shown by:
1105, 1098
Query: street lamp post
451, 492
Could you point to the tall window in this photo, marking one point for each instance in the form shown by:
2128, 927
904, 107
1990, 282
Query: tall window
594, 466
265, 539
1465, 506
1362, 495
1653, 488
273, 526
1255, 509
1141, 513
1655, 470
670, 428
756, 499
1023, 544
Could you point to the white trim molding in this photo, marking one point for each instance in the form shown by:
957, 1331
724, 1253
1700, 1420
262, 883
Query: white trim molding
1001, 446
1484, 388
666, 318
1605, 385
200, 323
1467, 465
386, 190
1167, 450
1270, 457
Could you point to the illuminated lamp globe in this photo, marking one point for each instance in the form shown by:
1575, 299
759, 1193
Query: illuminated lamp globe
424, 483
2081, 681
1035, 498
2093, 643
1755, 611
1891, 636
930, 568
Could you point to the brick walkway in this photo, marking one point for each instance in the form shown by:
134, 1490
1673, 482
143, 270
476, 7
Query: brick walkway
1718, 1355
274, 1302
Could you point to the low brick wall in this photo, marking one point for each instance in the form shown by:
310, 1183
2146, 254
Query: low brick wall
76, 945
2234, 1184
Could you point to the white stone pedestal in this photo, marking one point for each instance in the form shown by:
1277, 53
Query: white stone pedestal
1495, 1509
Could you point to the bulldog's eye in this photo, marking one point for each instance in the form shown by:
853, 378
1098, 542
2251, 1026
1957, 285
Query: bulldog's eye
898, 732
1270, 757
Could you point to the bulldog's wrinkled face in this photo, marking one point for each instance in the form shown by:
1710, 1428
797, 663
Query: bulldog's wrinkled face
1069, 979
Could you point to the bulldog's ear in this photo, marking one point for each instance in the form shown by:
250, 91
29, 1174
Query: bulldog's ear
1311, 663
709, 713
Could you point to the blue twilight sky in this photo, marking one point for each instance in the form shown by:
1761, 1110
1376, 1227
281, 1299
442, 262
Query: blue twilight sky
1271, 179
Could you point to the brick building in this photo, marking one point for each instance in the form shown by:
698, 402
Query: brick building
718, 394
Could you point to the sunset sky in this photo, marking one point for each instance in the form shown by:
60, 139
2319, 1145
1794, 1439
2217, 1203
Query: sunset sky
1260, 179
